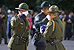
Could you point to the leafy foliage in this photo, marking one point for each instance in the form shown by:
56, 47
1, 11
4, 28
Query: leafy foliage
63, 4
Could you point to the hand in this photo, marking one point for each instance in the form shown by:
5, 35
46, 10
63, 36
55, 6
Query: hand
2, 16
69, 21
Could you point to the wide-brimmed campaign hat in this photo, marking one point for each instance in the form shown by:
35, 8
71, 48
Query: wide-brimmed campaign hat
54, 8
45, 4
23, 6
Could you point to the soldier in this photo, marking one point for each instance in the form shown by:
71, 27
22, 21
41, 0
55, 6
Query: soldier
54, 30
20, 29
41, 19
3, 24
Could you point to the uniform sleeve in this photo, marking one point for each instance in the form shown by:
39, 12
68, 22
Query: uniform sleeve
27, 28
48, 31
39, 21
36, 20
1, 20
15, 21
5, 17
27, 31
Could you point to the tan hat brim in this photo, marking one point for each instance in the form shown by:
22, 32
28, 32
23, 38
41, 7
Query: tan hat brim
21, 9
54, 11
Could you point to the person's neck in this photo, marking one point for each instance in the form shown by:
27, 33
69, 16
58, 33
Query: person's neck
52, 17
44, 13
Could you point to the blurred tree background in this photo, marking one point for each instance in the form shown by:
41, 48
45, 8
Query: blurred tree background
67, 5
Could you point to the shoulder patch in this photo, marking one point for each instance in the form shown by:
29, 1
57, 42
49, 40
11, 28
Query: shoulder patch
49, 23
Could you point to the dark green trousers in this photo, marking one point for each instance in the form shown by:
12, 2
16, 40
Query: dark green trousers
18, 47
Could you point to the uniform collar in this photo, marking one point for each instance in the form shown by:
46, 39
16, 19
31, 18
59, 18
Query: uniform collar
55, 18
43, 14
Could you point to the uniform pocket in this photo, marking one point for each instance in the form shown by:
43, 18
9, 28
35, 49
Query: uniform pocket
16, 40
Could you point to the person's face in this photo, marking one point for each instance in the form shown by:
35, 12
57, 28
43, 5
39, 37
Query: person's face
71, 14
63, 12
64, 15
32, 12
20, 11
13, 12
45, 10
51, 16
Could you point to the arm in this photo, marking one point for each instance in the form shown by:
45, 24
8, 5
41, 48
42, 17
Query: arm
72, 19
66, 19
5, 17
27, 31
27, 27
15, 21
36, 20
43, 21
1, 20
48, 31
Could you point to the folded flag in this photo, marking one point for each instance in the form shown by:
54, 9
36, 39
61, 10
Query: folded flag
42, 28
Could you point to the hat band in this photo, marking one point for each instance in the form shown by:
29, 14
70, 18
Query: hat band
23, 8
45, 6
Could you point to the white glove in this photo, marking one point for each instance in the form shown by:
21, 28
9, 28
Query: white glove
48, 17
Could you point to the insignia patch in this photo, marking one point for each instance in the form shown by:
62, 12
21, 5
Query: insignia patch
21, 23
49, 23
